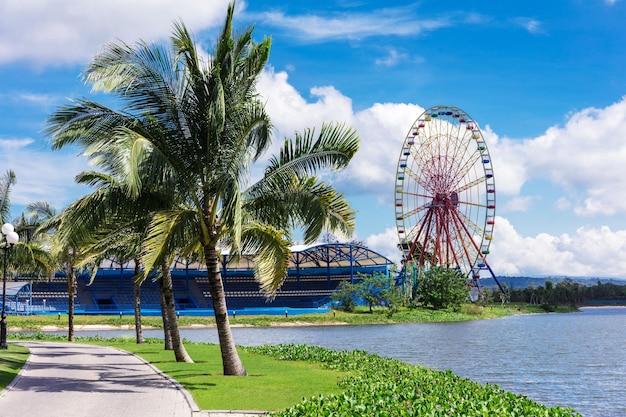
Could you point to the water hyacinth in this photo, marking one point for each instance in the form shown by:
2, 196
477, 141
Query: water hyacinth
384, 387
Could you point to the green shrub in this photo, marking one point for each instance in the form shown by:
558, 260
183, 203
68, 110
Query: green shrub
441, 287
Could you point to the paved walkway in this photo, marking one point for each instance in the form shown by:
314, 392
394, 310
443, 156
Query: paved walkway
75, 380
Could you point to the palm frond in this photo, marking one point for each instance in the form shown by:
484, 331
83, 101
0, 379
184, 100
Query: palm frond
333, 149
168, 230
6, 182
271, 258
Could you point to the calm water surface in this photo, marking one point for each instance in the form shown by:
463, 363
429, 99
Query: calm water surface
571, 360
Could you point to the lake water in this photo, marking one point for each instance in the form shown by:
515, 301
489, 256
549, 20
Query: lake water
572, 360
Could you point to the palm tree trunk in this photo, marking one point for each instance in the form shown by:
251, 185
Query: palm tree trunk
71, 291
168, 292
167, 334
230, 358
137, 304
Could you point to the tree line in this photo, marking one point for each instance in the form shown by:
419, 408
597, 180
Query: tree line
568, 292
441, 287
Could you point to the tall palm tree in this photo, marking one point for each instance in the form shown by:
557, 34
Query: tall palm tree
201, 125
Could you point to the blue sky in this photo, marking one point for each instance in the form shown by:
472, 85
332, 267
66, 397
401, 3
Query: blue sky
545, 81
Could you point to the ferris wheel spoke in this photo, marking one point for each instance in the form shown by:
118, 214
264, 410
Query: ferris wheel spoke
465, 169
421, 242
415, 176
471, 224
469, 244
415, 211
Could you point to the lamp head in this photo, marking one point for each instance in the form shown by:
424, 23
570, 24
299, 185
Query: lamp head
9, 231
12, 238
7, 228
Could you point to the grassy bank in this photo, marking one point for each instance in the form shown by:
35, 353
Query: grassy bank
297, 380
306, 381
361, 316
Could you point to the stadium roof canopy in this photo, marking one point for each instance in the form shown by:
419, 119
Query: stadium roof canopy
333, 255
13, 288
336, 255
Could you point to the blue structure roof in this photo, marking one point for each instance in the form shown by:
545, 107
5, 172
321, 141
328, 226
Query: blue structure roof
325, 255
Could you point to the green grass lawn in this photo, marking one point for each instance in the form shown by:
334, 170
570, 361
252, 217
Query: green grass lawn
11, 362
271, 384
307, 381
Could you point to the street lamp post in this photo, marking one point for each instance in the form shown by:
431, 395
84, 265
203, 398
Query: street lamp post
11, 238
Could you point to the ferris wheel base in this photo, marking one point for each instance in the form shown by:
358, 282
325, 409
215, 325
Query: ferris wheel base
476, 278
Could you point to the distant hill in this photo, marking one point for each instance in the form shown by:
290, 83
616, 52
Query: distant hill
523, 282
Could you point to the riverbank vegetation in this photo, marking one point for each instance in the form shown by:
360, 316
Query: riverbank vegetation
299, 380
360, 315
388, 387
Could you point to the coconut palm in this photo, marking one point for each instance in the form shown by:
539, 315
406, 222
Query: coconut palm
199, 126
39, 223
6, 181
112, 220
29, 254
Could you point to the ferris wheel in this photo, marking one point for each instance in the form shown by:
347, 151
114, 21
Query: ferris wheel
445, 194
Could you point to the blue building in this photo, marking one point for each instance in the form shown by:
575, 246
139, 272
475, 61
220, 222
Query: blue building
314, 273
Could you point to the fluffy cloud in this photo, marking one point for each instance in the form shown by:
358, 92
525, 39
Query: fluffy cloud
585, 253
590, 251
57, 33
41, 175
585, 158
385, 243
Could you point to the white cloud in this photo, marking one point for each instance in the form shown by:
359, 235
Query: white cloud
393, 58
562, 204
509, 165
291, 112
385, 243
590, 251
8, 145
41, 175
59, 33
585, 158
399, 21
519, 203
531, 25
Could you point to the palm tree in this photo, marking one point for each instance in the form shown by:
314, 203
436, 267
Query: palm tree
29, 253
39, 222
6, 181
199, 126
113, 219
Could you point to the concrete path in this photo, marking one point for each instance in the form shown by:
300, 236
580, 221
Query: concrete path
74, 380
